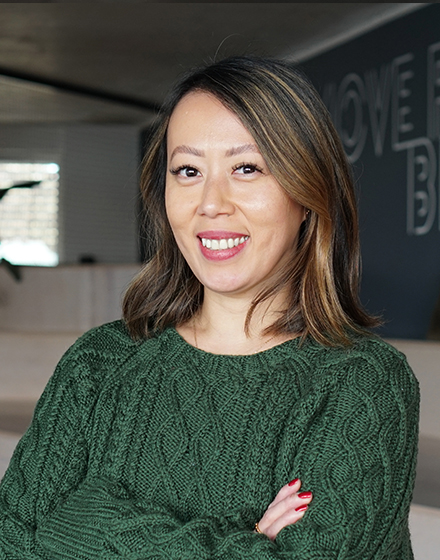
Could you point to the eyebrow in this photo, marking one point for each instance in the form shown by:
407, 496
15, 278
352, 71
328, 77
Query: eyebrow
235, 151
242, 149
187, 150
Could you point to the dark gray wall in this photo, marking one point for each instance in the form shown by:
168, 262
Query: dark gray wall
383, 90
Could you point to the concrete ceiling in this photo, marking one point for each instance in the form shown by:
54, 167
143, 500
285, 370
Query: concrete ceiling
133, 52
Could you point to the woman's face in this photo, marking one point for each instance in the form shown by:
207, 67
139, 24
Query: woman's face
232, 221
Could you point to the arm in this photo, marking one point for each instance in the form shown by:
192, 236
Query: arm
360, 462
357, 455
49, 460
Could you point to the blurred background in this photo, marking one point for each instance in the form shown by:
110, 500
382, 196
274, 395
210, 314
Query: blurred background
80, 85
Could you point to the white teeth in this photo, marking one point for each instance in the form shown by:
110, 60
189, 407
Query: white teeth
218, 244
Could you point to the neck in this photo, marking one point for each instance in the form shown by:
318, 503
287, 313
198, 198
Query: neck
219, 327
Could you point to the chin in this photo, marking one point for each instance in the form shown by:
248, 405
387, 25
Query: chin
228, 287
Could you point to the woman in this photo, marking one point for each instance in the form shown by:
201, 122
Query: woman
242, 410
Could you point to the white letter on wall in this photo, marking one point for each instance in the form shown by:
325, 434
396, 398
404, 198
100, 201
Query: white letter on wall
421, 195
400, 123
351, 92
433, 109
378, 97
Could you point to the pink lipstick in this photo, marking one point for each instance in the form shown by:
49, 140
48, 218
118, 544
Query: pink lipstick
221, 245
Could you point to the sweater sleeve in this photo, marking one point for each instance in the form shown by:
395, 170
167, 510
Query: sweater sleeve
51, 458
359, 459
357, 456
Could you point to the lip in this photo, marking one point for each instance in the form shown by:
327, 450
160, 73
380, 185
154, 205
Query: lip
220, 234
220, 254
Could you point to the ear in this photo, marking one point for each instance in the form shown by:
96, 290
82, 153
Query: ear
306, 214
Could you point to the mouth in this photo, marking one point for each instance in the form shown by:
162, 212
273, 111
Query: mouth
223, 243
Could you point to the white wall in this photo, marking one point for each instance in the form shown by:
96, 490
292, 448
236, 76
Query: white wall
99, 193
65, 299
27, 362
98, 184
41, 316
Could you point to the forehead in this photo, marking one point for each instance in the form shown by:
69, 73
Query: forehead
200, 117
198, 101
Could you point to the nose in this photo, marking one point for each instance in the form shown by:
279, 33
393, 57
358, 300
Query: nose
216, 198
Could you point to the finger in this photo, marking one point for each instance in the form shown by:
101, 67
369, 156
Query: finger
291, 488
289, 504
290, 517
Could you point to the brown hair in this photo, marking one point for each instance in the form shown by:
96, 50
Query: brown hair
294, 132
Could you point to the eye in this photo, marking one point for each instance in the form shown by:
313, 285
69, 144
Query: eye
185, 171
247, 169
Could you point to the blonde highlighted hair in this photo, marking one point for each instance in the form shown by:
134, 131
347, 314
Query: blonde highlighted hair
294, 133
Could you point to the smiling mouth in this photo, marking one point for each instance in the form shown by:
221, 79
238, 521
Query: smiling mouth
222, 244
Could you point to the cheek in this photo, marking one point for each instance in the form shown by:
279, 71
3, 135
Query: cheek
172, 209
288, 218
276, 212
178, 222
179, 207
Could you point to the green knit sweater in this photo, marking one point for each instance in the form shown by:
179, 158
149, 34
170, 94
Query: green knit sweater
157, 450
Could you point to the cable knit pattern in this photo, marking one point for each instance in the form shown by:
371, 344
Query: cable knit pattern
156, 450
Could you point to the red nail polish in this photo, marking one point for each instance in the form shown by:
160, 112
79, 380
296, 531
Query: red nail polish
301, 508
304, 495
294, 481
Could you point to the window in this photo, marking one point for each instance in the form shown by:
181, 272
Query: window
29, 213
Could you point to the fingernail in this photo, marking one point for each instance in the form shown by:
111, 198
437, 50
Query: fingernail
294, 481
304, 495
301, 508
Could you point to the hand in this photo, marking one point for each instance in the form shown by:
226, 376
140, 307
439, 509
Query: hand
287, 508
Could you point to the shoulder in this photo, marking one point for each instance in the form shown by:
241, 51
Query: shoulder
99, 359
108, 342
369, 365
367, 351
98, 355
105, 338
